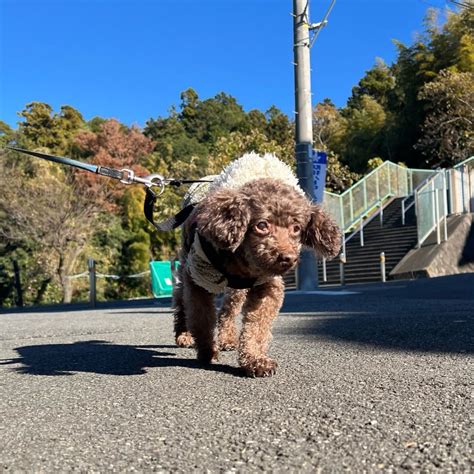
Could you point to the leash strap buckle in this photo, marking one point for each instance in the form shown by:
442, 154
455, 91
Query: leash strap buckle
128, 176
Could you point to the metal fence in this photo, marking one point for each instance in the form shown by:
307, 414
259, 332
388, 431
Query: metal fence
461, 187
388, 180
432, 207
446, 192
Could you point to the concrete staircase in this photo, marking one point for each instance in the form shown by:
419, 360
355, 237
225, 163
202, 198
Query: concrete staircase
363, 263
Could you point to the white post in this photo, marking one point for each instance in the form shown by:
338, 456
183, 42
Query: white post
342, 261
377, 186
445, 202
365, 195
351, 204
438, 233
382, 267
92, 282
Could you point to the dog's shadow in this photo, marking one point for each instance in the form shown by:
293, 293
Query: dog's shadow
102, 357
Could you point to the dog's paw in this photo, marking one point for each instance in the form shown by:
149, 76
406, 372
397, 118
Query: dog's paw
206, 355
261, 367
185, 340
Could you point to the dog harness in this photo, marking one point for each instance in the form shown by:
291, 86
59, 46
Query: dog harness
204, 263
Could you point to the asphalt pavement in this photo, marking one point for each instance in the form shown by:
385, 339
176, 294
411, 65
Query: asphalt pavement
372, 378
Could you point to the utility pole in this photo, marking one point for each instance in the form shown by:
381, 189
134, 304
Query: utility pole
307, 278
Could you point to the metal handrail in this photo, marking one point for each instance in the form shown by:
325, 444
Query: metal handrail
467, 183
463, 163
368, 175
360, 229
363, 223
412, 196
435, 206
388, 180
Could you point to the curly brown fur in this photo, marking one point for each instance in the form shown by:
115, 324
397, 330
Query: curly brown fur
259, 229
260, 309
227, 335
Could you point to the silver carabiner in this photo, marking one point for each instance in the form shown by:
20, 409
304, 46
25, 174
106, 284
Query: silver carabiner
155, 180
128, 177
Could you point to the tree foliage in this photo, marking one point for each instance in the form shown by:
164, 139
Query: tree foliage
448, 129
46, 215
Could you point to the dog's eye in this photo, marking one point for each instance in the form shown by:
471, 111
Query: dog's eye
296, 229
262, 227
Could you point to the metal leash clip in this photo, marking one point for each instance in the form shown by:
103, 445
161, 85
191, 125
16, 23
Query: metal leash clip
152, 180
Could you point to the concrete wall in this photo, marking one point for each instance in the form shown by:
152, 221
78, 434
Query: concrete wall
454, 256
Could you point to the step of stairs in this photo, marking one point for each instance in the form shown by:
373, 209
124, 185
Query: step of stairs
363, 262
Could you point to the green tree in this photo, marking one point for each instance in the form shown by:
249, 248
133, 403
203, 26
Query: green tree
278, 127
339, 177
448, 130
174, 148
212, 118
6, 134
42, 128
47, 216
236, 144
364, 135
329, 127
378, 83
447, 47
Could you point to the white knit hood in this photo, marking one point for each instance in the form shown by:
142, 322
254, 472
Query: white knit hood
253, 166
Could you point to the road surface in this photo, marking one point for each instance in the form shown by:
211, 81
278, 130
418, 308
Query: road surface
376, 378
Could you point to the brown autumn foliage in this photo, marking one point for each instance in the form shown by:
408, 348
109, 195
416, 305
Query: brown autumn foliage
115, 146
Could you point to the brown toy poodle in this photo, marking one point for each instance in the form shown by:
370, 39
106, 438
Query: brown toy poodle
241, 241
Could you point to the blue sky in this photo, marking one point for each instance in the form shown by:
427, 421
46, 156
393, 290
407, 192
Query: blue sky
130, 59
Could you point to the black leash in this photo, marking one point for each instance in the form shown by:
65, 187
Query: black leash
168, 224
127, 176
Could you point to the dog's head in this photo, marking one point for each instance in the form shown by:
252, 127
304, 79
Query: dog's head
267, 222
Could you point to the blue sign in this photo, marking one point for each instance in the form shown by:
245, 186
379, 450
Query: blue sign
319, 159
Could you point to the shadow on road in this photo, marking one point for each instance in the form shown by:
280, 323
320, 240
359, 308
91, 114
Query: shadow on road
101, 357
420, 333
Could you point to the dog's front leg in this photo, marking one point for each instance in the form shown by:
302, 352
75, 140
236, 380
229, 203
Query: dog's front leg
200, 315
262, 306
227, 334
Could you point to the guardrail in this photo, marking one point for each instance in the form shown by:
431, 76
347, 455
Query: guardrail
387, 180
431, 206
365, 200
447, 192
461, 189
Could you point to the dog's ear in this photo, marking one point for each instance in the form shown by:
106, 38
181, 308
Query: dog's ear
322, 233
223, 218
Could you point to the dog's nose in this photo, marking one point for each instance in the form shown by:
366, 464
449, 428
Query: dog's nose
287, 260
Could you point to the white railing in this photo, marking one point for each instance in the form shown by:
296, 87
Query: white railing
461, 187
431, 206
386, 181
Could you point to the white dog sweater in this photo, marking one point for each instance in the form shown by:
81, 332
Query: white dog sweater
248, 168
